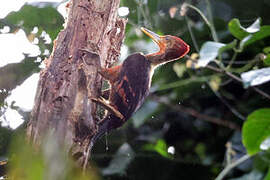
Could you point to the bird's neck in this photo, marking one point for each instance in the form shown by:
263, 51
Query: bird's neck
156, 59
160, 57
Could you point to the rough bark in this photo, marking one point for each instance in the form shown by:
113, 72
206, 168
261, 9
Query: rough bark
92, 38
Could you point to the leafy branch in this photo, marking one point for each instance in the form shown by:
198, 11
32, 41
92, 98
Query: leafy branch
232, 165
210, 50
258, 122
232, 76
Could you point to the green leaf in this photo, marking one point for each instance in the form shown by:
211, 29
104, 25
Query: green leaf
265, 145
267, 60
121, 160
227, 47
256, 129
45, 18
209, 52
263, 33
261, 161
239, 31
244, 41
256, 77
267, 177
236, 29
160, 147
266, 50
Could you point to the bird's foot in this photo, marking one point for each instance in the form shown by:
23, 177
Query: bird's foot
101, 101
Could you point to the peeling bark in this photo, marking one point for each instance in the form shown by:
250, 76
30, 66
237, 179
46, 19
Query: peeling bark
92, 38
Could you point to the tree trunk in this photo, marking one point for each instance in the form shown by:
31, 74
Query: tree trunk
92, 37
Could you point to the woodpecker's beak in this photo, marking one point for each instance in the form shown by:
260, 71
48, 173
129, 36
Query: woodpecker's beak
155, 37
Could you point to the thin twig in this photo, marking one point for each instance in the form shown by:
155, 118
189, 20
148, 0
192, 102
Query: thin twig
226, 82
192, 35
231, 62
232, 109
225, 171
87, 155
183, 82
261, 92
233, 76
198, 11
264, 94
196, 114
140, 5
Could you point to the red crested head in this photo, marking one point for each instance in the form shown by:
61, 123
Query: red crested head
171, 48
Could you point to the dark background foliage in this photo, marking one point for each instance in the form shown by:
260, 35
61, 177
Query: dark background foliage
179, 133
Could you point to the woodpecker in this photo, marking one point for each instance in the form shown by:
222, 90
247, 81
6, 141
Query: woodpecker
130, 82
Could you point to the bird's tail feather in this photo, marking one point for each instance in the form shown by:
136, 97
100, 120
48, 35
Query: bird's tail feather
103, 128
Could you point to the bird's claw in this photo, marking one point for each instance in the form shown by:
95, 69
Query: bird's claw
101, 101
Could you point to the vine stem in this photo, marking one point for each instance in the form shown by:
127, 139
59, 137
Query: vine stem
192, 35
211, 26
225, 171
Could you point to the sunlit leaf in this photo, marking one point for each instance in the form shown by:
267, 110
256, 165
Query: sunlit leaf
192, 62
263, 33
256, 129
123, 11
31, 37
172, 11
244, 41
255, 27
265, 145
256, 77
179, 69
209, 52
267, 60
239, 31
183, 9
215, 83
121, 160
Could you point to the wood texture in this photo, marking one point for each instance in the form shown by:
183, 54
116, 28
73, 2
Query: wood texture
92, 38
